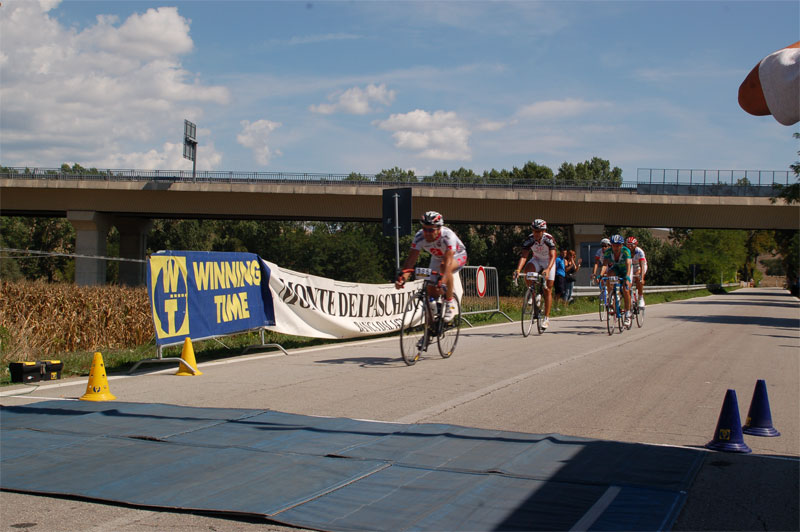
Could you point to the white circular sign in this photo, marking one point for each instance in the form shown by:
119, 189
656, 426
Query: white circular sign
480, 281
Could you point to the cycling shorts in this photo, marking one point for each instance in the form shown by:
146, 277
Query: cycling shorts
620, 270
636, 268
460, 259
540, 265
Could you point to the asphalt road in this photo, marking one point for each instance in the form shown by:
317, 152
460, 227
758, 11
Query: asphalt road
662, 384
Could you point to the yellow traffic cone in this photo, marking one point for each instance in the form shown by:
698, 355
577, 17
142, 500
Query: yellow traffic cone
188, 366
97, 388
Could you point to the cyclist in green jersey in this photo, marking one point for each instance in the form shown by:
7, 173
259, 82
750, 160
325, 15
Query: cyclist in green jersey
617, 261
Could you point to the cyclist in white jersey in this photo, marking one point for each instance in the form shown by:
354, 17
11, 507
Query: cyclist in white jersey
639, 265
539, 255
448, 255
598, 257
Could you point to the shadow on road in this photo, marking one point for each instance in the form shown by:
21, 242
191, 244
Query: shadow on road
743, 492
365, 362
777, 323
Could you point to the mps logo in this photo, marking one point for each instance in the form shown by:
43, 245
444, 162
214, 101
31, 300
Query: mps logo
169, 281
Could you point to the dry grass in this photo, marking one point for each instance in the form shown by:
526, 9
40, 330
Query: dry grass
39, 320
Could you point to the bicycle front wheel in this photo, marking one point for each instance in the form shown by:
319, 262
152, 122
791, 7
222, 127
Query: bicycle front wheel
449, 331
620, 313
538, 310
527, 312
601, 306
610, 315
639, 316
412, 330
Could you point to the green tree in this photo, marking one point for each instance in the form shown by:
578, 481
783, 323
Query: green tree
757, 243
567, 173
788, 242
532, 172
54, 235
790, 193
396, 174
716, 253
598, 171
353, 176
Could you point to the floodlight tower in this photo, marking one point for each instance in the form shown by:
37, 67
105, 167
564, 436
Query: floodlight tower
190, 144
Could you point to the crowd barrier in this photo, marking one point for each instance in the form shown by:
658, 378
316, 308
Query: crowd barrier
481, 291
584, 291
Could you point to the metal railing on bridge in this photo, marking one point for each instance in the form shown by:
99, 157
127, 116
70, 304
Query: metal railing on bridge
761, 183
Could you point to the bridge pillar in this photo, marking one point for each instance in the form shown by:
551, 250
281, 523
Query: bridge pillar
585, 241
132, 245
91, 230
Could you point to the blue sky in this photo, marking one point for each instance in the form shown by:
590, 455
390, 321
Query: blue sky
339, 87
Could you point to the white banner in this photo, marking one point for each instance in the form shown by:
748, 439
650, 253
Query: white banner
307, 305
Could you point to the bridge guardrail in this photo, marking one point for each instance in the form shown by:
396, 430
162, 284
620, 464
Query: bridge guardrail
713, 182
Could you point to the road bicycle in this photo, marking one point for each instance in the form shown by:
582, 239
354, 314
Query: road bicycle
636, 310
613, 310
533, 304
423, 321
602, 301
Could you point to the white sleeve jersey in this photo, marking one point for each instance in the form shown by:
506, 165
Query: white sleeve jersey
638, 257
447, 241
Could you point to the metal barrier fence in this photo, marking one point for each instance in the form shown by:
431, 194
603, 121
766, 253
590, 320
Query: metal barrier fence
481, 291
588, 291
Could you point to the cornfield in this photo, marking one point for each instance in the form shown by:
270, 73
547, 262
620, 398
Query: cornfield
40, 320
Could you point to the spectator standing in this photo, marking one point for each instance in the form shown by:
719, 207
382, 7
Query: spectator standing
571, 268
560, 284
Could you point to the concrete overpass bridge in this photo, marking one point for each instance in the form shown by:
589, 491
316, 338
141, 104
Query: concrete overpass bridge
129, 200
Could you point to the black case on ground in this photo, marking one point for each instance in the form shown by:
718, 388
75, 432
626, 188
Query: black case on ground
35, 371
26, 371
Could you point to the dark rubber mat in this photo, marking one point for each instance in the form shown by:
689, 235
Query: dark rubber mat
337, 473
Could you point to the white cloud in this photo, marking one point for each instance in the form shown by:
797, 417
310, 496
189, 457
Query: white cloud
494, 125
256, 137
441, 135
355, 100
114, 91
560, 108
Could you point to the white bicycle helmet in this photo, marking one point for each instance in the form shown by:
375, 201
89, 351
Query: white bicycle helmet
539, 224
432, 218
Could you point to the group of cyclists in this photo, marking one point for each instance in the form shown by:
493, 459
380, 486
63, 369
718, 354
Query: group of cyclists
618, 256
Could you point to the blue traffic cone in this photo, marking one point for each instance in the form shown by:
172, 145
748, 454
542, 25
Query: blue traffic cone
759, 418
728, 436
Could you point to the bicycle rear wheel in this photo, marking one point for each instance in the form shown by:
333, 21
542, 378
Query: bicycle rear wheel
639, 315
449, 331
527, 312
412, 330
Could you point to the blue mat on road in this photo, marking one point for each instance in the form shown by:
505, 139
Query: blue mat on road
337, 473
